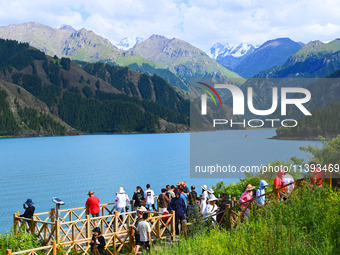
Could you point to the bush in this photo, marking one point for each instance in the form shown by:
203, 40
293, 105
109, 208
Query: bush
21, 241
308, 223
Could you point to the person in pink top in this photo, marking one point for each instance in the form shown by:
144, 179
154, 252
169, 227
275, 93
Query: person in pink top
278, 182
246, 196
92, 205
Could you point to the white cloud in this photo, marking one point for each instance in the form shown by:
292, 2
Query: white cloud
199, 22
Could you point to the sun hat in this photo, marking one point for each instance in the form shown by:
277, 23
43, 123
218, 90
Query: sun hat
90, 192
29, 202
121, 190
141, 209
204, 187
250, 187
211, 191
212, 198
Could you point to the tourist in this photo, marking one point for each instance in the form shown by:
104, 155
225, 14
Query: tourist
278, 182
169, 191
210, 192
92, 205
223, 206
261, 191
163, 201
144, 231
316, 178
288, 179
97, 242
184, 196
203, 198
185, 188
137, 199
140, 211
149, 198
29, 211
177, 204
211, 209
193, 207
121, 200
246, 196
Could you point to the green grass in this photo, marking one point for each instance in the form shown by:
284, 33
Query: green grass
309, 223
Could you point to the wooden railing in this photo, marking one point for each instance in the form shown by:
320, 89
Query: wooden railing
233, 214
73, 236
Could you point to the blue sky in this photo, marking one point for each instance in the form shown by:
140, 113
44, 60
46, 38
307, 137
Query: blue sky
201, 23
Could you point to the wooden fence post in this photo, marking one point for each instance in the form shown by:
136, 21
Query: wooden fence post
88, 226
116, 226
15, 224
173, 226
131, 238
54, 248
8, 252
158, 228
57, 231
33, 225
184, 229
52, 215
227, 215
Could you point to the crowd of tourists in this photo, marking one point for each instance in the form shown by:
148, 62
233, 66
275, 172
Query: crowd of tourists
186, 204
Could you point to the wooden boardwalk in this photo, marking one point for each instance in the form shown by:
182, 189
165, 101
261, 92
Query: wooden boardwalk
73, 231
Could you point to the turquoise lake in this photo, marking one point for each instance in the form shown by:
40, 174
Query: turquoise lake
68, 167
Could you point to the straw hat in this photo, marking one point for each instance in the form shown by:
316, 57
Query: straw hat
250, 187
204, 187
90, 192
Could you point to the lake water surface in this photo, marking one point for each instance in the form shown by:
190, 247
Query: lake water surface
68, 167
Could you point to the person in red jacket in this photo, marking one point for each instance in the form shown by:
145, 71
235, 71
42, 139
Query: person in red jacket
317, 174
92, 205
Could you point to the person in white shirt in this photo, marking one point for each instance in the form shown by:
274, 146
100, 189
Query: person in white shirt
149, 198
144, 231
121, 200
211, 209
203, 198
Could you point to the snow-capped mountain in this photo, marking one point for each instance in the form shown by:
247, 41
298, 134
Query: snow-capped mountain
128, 43
229, 54
228, 49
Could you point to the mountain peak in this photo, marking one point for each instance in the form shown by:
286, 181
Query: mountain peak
219, 50
66, 27
127, 43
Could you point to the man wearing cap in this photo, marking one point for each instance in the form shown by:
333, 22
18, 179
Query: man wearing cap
246, 196
193, 207
92, 205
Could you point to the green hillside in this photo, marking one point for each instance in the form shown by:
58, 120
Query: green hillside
113, 99
181, 58
323, 122
316, 59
